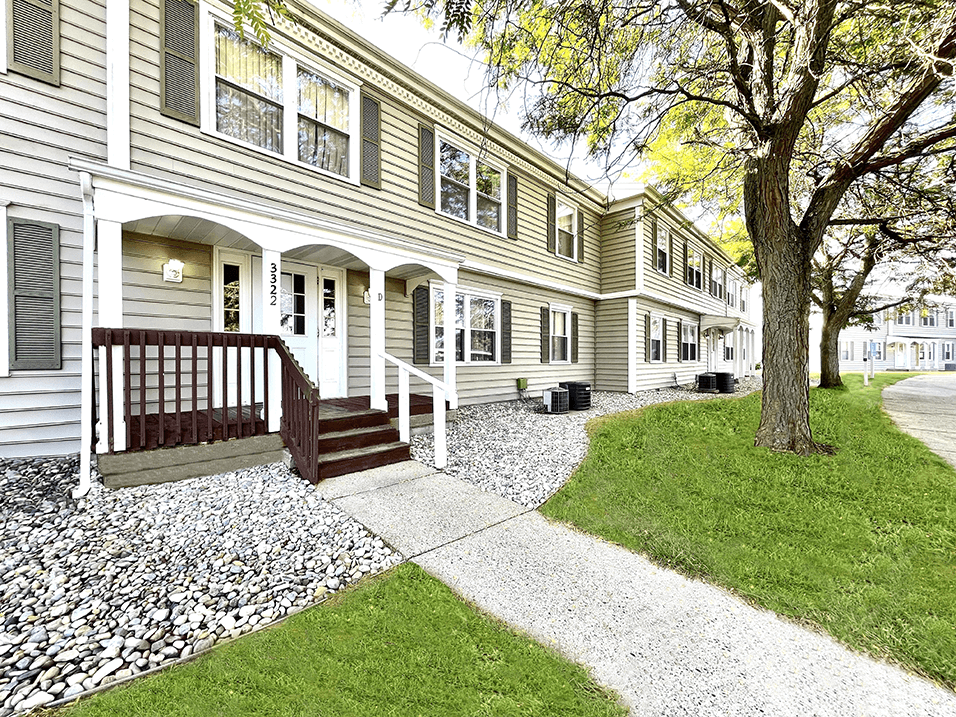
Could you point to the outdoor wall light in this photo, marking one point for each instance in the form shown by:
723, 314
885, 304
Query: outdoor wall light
173, 271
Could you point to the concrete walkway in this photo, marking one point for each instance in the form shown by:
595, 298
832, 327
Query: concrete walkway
666, 644
925, 407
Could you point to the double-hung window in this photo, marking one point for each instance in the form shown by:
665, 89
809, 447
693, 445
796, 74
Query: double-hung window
744, 298
560, 334
904, 318
662, 254
877, 350
694, 274
927, 318
948, 351
470, 187
656, 338
269, 99
566, 225
732, 292
951, 318
688, 342
477, 326
717, 278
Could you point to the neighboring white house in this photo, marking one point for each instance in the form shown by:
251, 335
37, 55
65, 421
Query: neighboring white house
162, 174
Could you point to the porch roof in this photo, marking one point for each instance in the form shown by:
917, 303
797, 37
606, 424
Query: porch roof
724, 323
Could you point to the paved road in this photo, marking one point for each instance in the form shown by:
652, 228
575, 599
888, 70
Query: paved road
925, 407
668, 645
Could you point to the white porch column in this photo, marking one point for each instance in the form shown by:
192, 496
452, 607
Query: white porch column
117, 84
450, 337
271, 320
376, 339
937, 347
738, 352
109, 242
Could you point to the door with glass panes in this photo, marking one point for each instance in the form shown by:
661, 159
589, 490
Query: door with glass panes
330, 342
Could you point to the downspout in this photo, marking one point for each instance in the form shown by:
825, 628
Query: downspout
86, 371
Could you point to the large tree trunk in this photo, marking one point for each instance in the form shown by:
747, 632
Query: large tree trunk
830, 354
783, 260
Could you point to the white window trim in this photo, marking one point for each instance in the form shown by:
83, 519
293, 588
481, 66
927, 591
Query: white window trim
948, 351
951, 318
663, 233
290, 132
698, 267
660, 351
560, 199
474, 154
561, 309
696, 327
4, 289
244, 262
466, 291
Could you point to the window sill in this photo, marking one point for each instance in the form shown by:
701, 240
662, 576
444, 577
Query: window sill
467, 223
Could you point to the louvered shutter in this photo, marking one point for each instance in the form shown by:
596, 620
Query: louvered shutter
371, 142
687, 277
545, 334
33, 39
580, 237
670, 254
505, 332
552, 224
179, 65
654, 242
664, 340
512, 206
680, 340
34, 294
426, 166
574, 337
420, 325
647, 337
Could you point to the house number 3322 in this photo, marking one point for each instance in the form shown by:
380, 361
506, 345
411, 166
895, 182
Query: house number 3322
273, 284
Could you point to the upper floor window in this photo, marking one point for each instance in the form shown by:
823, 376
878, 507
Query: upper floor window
951, 318
272, 101
927, 318
470, 188
476, 326
904, 318
732, 292
878, 319
718, 278
662, 254
694, 272
565, 226
744, 297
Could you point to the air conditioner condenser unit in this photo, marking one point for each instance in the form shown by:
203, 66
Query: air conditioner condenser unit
555, 400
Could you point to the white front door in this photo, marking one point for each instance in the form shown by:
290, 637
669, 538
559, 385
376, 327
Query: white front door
298, 321
331, 333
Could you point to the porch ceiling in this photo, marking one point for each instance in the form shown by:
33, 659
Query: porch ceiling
191, 229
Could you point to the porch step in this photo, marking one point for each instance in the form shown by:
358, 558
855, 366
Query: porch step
171, 464
336, 441
343, 421
360, 459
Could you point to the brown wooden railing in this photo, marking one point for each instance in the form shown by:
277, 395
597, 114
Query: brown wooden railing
299, 426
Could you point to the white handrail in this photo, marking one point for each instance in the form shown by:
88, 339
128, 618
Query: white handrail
440, 393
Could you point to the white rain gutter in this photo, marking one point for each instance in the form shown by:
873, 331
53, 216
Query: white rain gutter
86, 363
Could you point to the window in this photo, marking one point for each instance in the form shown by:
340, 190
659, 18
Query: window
694, 274
904, 318
656, 337
877, 319
292, 305
876, 350
927, 318
744, 298
266, 98
32, 39
717, 279
662, 261
922, 352
231, 295
688, 342
476, 326
565, 228
470, 188
846, 350
951, 318
948, 351
560, 334
728, 349
732, 292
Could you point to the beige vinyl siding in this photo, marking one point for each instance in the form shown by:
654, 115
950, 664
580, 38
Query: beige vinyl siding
672, 371
41, 126
611, 345
619, 232
179, 152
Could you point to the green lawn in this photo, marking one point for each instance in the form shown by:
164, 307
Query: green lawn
862, 543
398, 644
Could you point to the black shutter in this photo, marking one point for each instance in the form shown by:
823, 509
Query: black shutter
426, 166
574, 338
680, 340
179, 60
664, 340
512, 206
580, 237
688, 279
654, 242
670, 254
33, 39
421, 327
505, 332
552, 224
371, 142
33, 263
545, 334
647, 337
